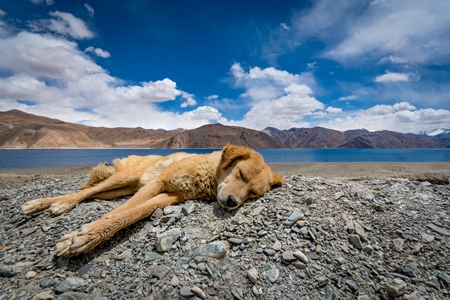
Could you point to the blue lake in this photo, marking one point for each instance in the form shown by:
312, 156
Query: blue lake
33, 158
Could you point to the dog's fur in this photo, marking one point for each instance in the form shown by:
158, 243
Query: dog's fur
231, 176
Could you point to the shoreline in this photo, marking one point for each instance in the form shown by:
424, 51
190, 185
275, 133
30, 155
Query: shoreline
435, 172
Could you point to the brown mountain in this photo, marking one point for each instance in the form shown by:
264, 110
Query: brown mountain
319, 137
22, 130
217, 136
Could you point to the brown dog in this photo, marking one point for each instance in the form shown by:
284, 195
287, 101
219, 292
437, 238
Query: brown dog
231, 176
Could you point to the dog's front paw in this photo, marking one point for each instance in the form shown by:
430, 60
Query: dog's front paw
34, 206
58, 208
78, 242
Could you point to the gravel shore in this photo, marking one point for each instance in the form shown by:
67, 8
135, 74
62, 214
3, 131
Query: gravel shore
333, 231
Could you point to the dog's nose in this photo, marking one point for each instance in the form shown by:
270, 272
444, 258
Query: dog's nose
231, 201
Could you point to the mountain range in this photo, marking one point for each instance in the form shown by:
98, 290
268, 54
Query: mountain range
23, 130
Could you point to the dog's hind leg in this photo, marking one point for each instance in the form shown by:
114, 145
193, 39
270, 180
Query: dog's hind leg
61, 204
91, 235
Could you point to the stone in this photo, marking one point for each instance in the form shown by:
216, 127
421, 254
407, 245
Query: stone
395, 287
322, 281
350, 227
127, 254
330, 293
175, 281
198, 291
188, 208
186, 292
79, 296
438, 229
217, 249
352, 285
288, 256
338, 195
30, 274
301, 256
368, 249
164, 241
70, 284
276, 246
398, 244
272, 275
410, 270
417, 248
28, 231
444, 277
235, 241
355, 241
257, 210
149, 256
46, 295
427, 237
237, 293
252, 274
294, 217
46, 282
7, 272
159, 271
359, 230
172, 209
269, 252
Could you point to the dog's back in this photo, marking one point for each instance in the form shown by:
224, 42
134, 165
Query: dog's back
133, 165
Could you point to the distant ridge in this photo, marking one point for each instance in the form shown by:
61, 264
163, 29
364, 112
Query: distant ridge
319, 137
22, 130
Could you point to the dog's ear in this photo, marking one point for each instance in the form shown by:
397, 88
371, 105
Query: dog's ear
277, 179
230, 153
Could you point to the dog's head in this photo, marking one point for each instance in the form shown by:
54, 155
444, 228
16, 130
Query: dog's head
243, 175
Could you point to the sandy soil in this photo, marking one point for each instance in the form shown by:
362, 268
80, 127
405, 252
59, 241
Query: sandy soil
438, 173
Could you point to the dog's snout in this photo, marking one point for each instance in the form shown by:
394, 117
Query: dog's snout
231, 201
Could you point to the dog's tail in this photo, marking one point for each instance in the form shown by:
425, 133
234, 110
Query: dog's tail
101, 172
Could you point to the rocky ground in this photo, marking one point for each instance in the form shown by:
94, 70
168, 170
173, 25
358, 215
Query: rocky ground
313, 238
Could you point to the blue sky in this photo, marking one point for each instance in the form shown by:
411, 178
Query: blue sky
378, 64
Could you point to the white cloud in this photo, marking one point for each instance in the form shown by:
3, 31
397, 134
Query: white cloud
277, 98
189, 100
89, 9
400, 117
63, 23
43, 2
212, 97
392, 77
393, 59
416, 31
98, 52
333, 110
45, 55
285, 26
63, 82
348, 98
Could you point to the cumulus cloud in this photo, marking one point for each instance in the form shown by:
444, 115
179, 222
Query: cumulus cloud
348, 98
63, 23
333, 110
392, 77
416, 31
49, 75
401, 117
189, 100
277, 98
97, 51
89, 9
